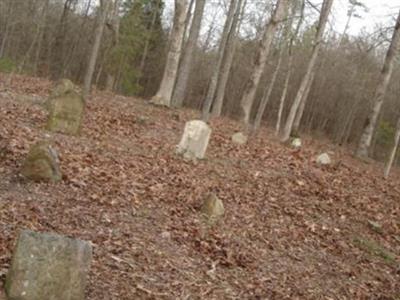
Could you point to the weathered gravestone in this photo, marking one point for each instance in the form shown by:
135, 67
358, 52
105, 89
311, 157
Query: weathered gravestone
212, 208
296, 143
42, 163
66, 108
48, 267
324, 159
239, 138
195, 139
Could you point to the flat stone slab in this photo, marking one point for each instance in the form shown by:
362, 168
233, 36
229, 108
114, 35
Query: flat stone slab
194, 141
42, 163
47, 266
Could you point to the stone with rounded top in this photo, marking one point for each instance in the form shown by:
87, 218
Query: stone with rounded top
324, 159
194, 141
212, 208
47, 266
66, 107
296, 143
42, 163
239, 138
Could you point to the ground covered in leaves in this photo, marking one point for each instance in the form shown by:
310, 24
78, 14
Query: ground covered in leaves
292, 229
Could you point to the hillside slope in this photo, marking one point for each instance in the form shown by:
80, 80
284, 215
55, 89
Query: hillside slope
292, 229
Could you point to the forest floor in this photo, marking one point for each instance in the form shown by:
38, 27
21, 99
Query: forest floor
292, 229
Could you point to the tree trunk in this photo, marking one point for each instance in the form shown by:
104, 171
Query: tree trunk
300, 111
261, 59
147, 45
40, 39
221, 49
385, 75
7, 29
325, 10
228, 59
392, 156
57, 50
104, 4
164, 94
110, 80
186, 64
290, 66
270, 86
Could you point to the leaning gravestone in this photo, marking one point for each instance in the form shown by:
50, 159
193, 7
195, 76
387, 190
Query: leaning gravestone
212, 208
66, 108
48, 267
195, 139
42, 163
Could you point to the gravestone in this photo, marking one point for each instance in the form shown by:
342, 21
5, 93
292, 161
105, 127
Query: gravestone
42, 163
66, 108
194, 140
296, 143
47, 266
212, 208
323, 159
239, 138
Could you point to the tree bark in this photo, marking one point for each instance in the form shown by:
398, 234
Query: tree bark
164, 94
300, 111
261, 59
228, 60
385, 75
221, 49
147, 45
392, 156
270, 86
325, 10
110, 80
187, 60
104, 4
290, 67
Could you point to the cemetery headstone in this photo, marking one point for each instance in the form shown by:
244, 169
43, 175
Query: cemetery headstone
47, 266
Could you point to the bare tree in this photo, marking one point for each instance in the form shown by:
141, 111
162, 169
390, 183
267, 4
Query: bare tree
261, 59
187, 59
164, 94
102, 17
114, 26
220, 56
289, 67
393, 153
300, 111
228, 59
325, 10
269, 87
385, 75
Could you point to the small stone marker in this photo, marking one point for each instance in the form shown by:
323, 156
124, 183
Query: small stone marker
195, 139
296, 143
213, 208
48, 267
65, 109
42, 163
324, 159
239, 138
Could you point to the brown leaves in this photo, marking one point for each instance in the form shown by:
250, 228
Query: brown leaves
287, 231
